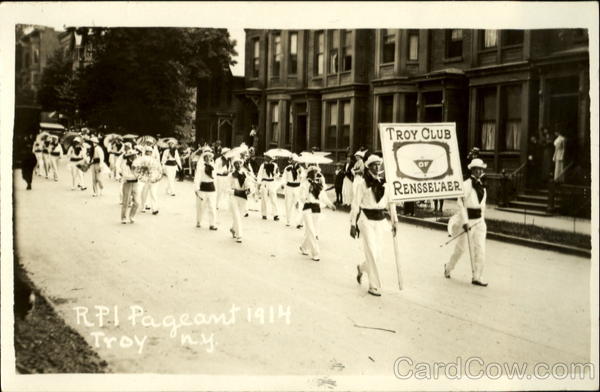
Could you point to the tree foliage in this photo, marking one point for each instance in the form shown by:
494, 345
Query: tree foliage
58, 87
140, 78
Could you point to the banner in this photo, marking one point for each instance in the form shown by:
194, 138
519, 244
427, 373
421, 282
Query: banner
421, 161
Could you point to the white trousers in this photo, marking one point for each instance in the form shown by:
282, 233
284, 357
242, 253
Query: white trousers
293, 212
238, 208
40, 170
97, 185
76, 175
54, 167
347, 191
268, 194
311, 230
206, 203
149, 189
222, 185
477, 238
170, 171
46, 164
371, 232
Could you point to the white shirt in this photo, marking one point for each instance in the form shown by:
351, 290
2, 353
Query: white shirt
71, 153
98, 153
289, 177
262, 173
471, 200
167, 156
126, 171
364, 198
201, 175
235, 184
221, 167
307, 197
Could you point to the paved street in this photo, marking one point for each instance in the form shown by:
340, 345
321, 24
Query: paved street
77, 251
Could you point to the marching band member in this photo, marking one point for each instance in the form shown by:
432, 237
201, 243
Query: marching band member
367, 218
97, 161
471, 219
222, 170
127, 147
171, 161
77, 156
292, 175
130, 188
116, 149
204, 186
267, 174
313, 194
240, 185
150, 180
38, 148
56, 152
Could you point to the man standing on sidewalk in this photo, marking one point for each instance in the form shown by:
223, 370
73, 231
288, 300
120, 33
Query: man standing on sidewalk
130, 188
470, 218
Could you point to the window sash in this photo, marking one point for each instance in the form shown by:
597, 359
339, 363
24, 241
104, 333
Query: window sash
513, 135
333, 61
294, 43
490, 39
413, 47
389, 46
488, 135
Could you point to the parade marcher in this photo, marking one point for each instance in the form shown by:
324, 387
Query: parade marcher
292, 176
268, 173
46, 155
313, 195
38, 148
204, 187
348, 181
471, 219
222, 169
130, 188
76, 155
97, 166
116, 149
367, 219
127, 147
170, 162
149, 179
240, 183
56, 153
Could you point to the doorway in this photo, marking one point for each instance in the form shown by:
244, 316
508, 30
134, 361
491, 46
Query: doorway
301, 132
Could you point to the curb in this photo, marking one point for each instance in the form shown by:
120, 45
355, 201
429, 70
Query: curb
566, 249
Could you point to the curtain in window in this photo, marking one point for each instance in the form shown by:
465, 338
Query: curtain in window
488, 135
513, 135
489, 38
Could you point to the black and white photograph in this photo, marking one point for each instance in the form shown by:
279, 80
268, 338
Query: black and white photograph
298, 196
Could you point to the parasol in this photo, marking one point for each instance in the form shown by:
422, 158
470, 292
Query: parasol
42, 136
147, 140
164, 142
308, 157
147, 169
110, 139
279, 153
68, 138
236, 151
130, 136
321, 153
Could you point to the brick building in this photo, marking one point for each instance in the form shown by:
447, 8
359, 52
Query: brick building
330, 88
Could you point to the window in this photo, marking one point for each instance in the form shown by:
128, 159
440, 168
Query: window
454, 43
293, 61
288, 134
389, 46
319, 53
488, 119
36, 56
512, 124
512, 37
386, 109
410, 107
274, 122
332, 115
334, 40
255, 57
433, 104
347, 51
346, 118
413, 45
276, 55
489, 39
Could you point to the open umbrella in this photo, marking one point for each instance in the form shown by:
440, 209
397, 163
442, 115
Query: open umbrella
308, 157
236, 151
67, 139
130, 136
42, 136
164, 142
110, 139
147, 140
279, 153
321, 153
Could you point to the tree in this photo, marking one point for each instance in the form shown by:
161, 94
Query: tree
58, 90
140, 78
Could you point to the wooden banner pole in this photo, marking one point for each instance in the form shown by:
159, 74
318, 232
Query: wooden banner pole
395, 224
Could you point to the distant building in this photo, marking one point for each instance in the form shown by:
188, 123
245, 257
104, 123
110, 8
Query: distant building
330, 88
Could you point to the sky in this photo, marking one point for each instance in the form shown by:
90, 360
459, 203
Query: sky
236, 33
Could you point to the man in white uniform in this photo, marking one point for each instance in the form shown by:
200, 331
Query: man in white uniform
222, 168
130, 186
268, 173
239, 187
204, 187
470, 218
77, 156
171, 161
96, 168
150, 181
367, 219
292, 176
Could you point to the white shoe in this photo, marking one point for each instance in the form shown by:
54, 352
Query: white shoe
131, 220
238, 240
304, 252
